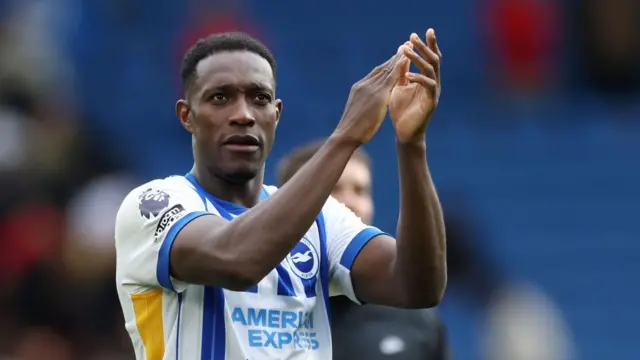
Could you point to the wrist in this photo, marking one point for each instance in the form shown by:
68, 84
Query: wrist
418, 142
413, 153
343, 141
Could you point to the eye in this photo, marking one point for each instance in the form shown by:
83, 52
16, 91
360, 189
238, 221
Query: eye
263, 99
218, 98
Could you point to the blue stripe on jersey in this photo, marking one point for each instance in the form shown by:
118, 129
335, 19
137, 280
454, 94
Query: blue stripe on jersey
356, 245
310, 285
285, 286
214, 339
324, 264
219, 327
162, 268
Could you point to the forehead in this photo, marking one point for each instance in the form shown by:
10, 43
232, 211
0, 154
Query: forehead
239, 68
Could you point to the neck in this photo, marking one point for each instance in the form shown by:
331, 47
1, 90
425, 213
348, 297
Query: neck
246, 194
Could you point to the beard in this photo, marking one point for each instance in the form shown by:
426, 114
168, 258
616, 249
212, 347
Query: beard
236, 174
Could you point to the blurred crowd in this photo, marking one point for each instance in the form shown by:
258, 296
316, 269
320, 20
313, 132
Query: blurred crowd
58, 194
61, 187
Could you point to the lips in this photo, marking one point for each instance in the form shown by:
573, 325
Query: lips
245, 140
242, 143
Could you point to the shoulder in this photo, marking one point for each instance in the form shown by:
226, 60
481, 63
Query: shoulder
146, 202
174, 184
156, 193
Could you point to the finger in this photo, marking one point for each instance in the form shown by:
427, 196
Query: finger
397, 68
433, 43
428, 83
425, 68
423, 49
428, 54
378, 69
403, 80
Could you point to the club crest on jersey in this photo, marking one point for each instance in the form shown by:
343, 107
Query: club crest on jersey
152, 202
304, 260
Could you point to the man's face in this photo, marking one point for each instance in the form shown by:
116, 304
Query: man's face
232, 114
354, 190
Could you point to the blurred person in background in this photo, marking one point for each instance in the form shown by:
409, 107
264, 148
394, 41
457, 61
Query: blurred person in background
36, 136
606, 35
53, 228
524, 42
370, 331
213, 17
51, 224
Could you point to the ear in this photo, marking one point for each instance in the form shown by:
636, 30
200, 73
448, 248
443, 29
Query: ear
278, 104
182, 111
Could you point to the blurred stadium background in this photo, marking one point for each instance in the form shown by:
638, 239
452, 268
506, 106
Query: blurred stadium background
536, 146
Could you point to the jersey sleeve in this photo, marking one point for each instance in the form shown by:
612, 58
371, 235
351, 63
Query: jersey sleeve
147, 224
346, 237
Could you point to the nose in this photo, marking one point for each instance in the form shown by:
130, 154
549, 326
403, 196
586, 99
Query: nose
242, 115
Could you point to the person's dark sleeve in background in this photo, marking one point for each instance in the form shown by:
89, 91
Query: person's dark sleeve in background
438, 348
376, 332
443, 350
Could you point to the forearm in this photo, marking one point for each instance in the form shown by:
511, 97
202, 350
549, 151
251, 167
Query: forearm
420, 265
263, 236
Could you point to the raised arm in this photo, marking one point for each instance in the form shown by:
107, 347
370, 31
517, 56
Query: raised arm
410, 271
238, 254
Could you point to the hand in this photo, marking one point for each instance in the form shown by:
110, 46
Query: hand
369, 100
415, 96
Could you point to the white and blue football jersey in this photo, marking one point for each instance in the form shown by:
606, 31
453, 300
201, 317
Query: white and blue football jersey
284, 316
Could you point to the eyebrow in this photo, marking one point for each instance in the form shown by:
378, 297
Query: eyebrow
253, 86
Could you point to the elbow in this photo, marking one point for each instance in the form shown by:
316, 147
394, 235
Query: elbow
229, 276
241, 270
428, 296
437, 288
240, 281
435, 296
240, 276
215, 268
426, 300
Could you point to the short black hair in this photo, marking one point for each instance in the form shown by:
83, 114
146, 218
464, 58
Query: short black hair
291, 163
221, 42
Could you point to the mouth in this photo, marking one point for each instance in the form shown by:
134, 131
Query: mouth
242, 143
